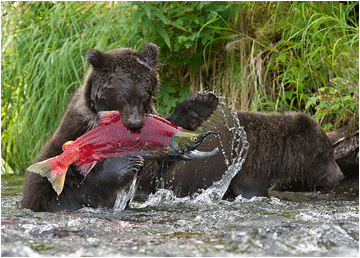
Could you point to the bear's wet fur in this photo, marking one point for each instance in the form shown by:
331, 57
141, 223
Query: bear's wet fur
124, 80
283, 147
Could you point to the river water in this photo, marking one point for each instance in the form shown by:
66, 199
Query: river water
284, 224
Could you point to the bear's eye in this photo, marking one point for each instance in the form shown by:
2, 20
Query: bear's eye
121, 99
195, 139
146, 99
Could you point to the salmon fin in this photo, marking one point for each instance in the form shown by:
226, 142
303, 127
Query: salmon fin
85, 167
66, 145
56, 177
106, 117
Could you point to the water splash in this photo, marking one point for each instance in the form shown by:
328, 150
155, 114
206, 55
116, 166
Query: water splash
234, 158
233, 151
123, 197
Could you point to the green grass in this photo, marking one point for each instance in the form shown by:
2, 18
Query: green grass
296, 56
320, 51
43, 62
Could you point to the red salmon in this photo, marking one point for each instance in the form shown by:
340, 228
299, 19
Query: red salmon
157, 139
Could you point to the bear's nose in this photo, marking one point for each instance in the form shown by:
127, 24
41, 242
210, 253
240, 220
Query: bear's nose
135, 124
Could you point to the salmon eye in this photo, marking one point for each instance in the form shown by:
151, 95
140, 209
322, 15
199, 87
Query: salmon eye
195, 139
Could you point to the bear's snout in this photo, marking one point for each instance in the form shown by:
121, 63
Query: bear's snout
133, 120
135, 124
333, 175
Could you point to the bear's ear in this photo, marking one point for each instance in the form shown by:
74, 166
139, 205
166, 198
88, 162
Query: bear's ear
305, 123
97, 59
149, 53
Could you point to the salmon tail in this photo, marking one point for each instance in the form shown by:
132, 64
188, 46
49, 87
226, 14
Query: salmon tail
55, 176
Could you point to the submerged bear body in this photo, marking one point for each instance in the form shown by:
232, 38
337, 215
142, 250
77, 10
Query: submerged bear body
283, 148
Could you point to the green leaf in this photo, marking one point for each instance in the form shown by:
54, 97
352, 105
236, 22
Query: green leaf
163, 33
335, 107
288, 94
177, 25
136, 19
167, 109
147, 9
206, 38
172, 102
166, 98
353, 105
282, 58
170, 89
179, 22
348, 98
311, 101
185, 93
182, 39
322, 104
341, 111
327, 127
159, 14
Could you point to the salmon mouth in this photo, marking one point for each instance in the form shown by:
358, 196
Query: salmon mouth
183, 145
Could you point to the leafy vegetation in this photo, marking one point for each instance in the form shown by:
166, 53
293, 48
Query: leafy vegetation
264, 56
44, 46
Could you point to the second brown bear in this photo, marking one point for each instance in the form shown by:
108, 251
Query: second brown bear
283, 148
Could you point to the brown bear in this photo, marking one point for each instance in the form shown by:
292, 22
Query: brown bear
284, 147
124, 80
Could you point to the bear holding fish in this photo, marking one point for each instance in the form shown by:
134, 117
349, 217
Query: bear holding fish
125, 80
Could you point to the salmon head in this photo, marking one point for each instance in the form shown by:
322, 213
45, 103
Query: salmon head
183, 145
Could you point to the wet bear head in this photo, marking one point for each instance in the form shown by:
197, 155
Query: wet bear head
323, 170
124, 80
